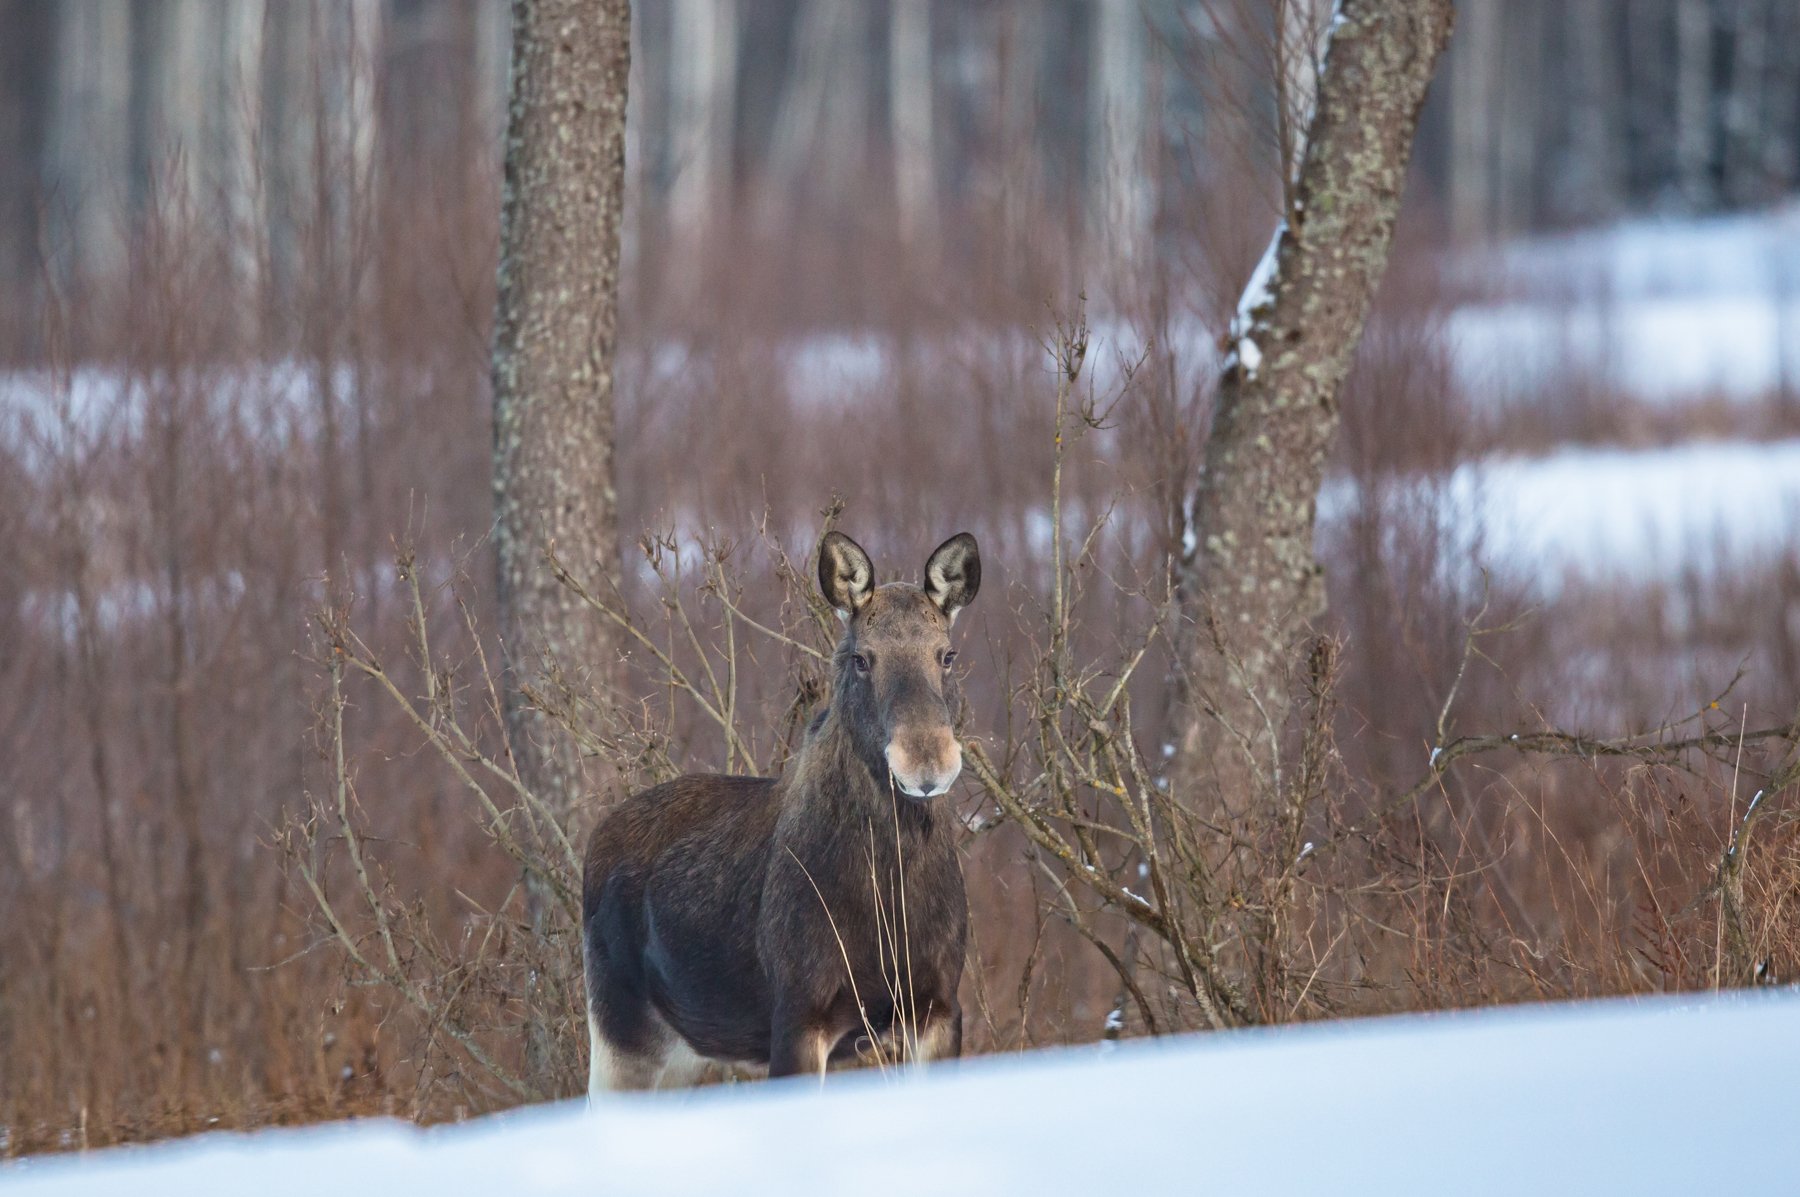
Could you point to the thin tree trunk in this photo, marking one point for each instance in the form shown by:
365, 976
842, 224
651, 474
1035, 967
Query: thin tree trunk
1519, 140
820, 140
910, 122
90, 141
1252, 583
241, 96
1120, 200
1594, 134
1020, 167
1781, 131
1694, 101
1474, 97
703, 87
553, 356
1746, 118
492, 69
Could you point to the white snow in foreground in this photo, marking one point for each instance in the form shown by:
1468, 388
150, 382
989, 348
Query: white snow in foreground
1653, 1096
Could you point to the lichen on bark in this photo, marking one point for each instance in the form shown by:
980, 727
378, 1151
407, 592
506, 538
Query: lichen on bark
554, 332
1252, 584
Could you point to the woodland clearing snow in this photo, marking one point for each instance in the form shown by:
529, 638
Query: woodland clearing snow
1637, 515
1663, 310
1661, 1095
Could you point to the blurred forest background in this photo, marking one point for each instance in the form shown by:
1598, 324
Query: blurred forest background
247, 261
907, 117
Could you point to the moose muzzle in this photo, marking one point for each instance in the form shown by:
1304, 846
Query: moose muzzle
924, 763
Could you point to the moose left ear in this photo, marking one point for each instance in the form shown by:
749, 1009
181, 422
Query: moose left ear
953, 574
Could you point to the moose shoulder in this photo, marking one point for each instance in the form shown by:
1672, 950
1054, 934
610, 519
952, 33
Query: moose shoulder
786, 921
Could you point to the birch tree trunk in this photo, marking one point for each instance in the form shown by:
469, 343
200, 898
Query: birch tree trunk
1251, 584
553, 357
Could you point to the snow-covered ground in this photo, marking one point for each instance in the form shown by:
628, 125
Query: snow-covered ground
1664, 310
1673, 1095
1636, 515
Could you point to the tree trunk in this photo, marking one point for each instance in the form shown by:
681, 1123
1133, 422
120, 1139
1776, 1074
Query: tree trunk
1596, 173
1742, 100
702, 68
241, 105
1474, 100
1251, 583
89, 148
910, 123
1518, 135
1694, 102
1120, 200
818, 147
553, 358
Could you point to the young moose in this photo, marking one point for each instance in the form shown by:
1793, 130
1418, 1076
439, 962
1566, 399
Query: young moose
789, 921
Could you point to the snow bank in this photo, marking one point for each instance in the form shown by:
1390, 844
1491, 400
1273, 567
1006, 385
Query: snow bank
1653, 1096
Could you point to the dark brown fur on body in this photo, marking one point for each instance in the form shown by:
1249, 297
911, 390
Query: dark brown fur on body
754, 920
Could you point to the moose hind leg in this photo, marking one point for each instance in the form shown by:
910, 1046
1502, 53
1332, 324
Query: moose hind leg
624, 1049
662, 1061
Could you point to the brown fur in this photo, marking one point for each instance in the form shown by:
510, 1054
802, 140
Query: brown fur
779, 922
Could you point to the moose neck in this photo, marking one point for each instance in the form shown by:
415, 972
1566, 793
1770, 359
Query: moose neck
832, 770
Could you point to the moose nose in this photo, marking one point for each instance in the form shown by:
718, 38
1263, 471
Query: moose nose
927, 769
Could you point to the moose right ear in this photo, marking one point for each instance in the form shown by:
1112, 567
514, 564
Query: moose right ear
846, 578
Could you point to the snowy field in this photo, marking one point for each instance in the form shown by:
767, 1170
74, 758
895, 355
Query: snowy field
1666, 311
1669, 1095
1600, 514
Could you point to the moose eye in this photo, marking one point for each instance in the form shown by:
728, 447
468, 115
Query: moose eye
861, 662
949, 657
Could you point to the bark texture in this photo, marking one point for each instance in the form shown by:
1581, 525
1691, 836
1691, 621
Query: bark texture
1251, 583
553, 355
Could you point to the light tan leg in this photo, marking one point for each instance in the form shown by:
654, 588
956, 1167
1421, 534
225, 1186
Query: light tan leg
805, 1053
939, 1039
682, 1066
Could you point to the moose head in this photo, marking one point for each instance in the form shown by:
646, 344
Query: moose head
893, 665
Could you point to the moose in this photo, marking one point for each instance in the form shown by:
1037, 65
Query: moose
787, 923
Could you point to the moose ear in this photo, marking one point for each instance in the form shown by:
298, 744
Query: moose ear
953, 574
846, 578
